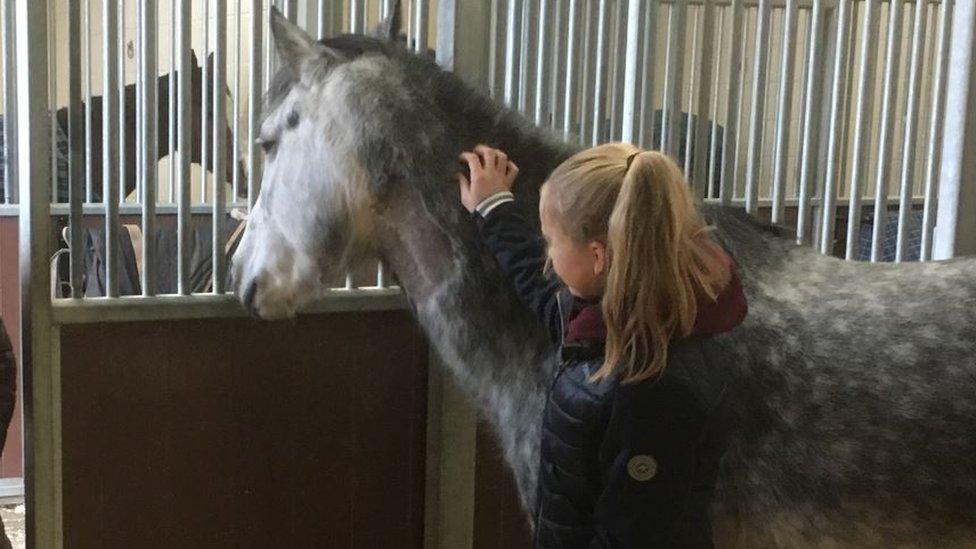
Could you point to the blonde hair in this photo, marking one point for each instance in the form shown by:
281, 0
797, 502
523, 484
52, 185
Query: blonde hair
662, 258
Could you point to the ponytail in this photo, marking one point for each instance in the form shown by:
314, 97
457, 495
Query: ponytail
661, 261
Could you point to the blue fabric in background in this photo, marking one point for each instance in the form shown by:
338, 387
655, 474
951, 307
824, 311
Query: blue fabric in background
889, 239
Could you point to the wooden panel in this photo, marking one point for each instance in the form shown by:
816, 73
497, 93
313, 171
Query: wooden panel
12, 461
498, 517
240, 433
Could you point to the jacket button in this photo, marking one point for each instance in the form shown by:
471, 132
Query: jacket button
642, 468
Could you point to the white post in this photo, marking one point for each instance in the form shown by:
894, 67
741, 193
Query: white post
42, 402
955, 231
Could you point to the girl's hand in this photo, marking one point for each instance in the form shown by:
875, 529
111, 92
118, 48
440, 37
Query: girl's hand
491, 173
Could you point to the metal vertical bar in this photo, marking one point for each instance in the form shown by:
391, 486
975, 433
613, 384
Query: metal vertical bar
147, 152
690, 116
919, 23
586, 73
291, 11
834, 137
885, 136
713, 167
171, 101
646, 121
741, 109
269, 58
559, 62
619, 68
673, 76
236, 171
139, 128
862, 131
41, 373
600, 82
494, 86
542, 68
204, 92
628, 133
183, 162
933, 155
513, 40
572, 68
388, 7
254, 102
758, 111
638, 90
76, 139
322, 20
408, 21
52, 95
220, 143
123, 175
10, 190
421, 23
811, 114
955, 229
110, 153
86, 77
699, 173
356, 23
526, 59
730, 140
783, 112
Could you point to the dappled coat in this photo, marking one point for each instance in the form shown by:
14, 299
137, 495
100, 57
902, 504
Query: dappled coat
622, 465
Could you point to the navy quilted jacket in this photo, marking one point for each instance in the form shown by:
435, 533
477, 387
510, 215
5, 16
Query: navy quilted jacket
621, 465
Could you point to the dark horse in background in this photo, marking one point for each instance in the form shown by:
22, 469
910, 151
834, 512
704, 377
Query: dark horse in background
852, 386
130, 125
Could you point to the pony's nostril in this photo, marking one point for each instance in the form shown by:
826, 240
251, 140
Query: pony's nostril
248, 299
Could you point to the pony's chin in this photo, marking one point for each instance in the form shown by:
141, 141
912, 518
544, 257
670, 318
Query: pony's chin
277, 311
276, 306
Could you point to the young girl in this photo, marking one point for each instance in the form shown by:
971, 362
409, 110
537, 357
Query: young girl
633, 430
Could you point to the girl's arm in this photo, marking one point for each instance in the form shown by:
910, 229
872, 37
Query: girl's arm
513, 241
521, 254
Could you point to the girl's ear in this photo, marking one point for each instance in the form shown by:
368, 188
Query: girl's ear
601, 262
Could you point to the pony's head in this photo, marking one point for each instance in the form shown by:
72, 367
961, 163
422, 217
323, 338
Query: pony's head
317, 209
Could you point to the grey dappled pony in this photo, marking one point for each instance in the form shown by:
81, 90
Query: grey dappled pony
854, 384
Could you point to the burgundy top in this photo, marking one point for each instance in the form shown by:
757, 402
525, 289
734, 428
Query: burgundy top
716, 316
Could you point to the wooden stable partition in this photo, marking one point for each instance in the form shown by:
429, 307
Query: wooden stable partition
241, 433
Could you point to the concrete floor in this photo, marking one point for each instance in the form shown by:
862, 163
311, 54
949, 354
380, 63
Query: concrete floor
13, 523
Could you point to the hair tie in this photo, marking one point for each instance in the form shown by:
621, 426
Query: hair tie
630, 159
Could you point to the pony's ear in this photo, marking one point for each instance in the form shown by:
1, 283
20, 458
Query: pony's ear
295, 45
389, 28
194, 62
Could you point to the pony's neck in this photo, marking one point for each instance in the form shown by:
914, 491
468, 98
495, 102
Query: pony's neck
494, 348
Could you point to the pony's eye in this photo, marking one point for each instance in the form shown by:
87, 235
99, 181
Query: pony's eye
292, 119
267, 144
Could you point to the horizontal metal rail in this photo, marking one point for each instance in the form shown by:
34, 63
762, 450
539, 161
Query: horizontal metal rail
176, 307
